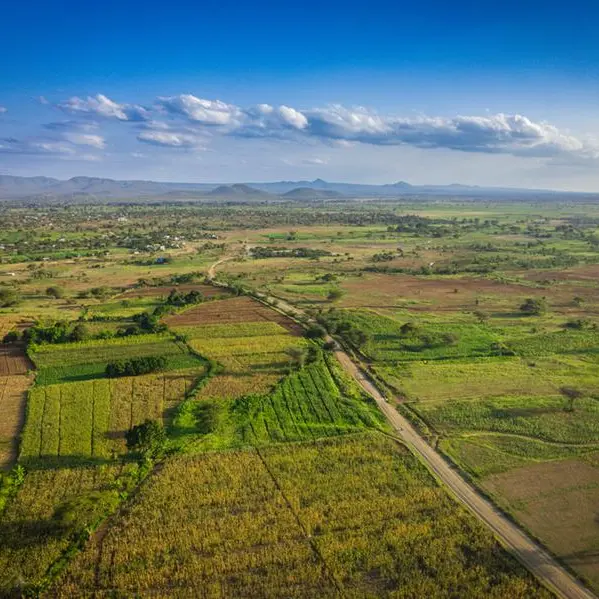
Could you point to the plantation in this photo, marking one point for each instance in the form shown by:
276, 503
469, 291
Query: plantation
297, 521
13, 400
34, 534
86, 421
317, 401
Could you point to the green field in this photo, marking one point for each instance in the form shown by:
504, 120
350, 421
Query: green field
70, 362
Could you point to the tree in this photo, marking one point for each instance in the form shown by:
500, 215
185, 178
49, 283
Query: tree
571, 394
147, 438
55, 292
80, 332
533, 307
334, 295
316, 331
297, 355
408, 328
9, 297
11, 337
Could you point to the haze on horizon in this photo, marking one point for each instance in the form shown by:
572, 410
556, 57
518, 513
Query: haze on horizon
432, 94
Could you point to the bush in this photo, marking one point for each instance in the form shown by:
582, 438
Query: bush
147, 438
9, 297
11, 337
534, 307
135, 366
316, 331
55, 292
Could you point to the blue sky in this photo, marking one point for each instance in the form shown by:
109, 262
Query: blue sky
429, 92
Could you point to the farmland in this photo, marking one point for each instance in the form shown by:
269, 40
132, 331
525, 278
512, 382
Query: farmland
262, 531
13, 401
88, 359
86, 421
276, 475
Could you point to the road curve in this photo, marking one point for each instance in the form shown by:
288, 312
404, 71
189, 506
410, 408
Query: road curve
512, 537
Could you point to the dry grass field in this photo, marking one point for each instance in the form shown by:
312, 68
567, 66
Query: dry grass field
557, 502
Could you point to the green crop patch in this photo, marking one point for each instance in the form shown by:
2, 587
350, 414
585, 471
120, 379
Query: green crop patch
391, 340
88, 360
86, 421
560, 342
240, 346
227, 331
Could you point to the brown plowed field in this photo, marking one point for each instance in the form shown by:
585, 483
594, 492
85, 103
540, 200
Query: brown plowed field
13, 399
13, 360
234, 310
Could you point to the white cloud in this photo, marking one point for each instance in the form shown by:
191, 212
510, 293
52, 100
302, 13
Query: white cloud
206, 112
3, 109
102, 106
86, 139
170, 139
315, 161
180, 121
51, 147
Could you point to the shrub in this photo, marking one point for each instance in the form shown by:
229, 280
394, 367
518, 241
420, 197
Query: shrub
316, 331
147, 438
55, 292
9, 297
534, 307
11, 337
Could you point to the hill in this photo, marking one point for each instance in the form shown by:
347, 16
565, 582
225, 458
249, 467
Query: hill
308, 194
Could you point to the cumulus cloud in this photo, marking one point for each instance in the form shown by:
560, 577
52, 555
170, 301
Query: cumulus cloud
169, 139
198, 110
102, 106
500, 133
180, 121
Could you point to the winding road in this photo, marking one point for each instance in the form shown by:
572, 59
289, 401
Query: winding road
538, 561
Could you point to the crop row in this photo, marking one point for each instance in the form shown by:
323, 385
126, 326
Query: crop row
357, 517
78, 421
225, 331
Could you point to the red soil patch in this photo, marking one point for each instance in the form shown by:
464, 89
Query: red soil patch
13, 400
448, 294
234, 310
13, 360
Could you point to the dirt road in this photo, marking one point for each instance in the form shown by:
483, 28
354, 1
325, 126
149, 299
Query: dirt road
513, 538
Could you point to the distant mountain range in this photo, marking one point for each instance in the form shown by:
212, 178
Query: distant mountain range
101, 189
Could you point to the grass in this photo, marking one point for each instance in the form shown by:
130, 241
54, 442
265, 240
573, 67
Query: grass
479, 378
388, 343
354, 516
542, 418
